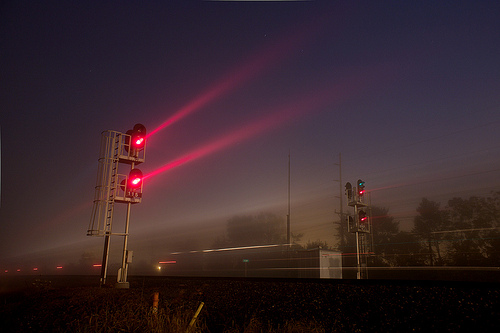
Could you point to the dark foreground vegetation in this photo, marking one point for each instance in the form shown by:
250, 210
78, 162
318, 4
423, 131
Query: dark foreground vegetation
73, 304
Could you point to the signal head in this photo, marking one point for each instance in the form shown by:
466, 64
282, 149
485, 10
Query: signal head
348, 190
362, 216
135, 179
138, 136
361, 187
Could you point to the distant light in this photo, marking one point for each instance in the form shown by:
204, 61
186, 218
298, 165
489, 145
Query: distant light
6, 271
59, 267
18, 270
96, 265
35, 268
168, 262
159, 268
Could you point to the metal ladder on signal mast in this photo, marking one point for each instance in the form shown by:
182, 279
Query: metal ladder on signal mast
110, 204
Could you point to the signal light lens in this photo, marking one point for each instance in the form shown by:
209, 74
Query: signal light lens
139, 141
136, 181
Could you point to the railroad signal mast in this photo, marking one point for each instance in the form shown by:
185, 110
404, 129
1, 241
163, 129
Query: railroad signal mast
118, 151
359, 224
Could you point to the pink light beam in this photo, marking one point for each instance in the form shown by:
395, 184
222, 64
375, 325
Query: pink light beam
275, 118
237, 77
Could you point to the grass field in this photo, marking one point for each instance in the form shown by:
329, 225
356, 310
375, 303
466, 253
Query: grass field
77, 304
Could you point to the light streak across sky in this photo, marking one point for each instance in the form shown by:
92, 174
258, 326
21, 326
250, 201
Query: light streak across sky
249, 247
276, 117
249, 70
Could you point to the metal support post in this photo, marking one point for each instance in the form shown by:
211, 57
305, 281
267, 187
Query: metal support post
358, 254
105, 256
122, 272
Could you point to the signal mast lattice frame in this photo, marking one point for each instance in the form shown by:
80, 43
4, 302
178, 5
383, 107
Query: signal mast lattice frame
117, 149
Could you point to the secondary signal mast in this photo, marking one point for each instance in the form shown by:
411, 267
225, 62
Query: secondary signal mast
358, 224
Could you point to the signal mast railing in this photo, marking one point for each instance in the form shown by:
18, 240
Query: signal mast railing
110, 185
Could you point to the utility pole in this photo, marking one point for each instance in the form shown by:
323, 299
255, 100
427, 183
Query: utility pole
288, 229
341, 208
342, 240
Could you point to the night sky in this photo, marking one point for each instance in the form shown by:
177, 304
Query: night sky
407, 93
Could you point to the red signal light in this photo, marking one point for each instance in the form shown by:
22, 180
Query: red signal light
134, 184
135, 178
139, 141
362, 216
135, 139
138, 136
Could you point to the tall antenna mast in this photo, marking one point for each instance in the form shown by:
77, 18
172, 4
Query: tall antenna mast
342, 244
288, 234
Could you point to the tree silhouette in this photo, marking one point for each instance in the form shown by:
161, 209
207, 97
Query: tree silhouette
391, 246
429, 225
317, 244
474, 235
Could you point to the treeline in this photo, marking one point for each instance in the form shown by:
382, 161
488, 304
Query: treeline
465, 232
